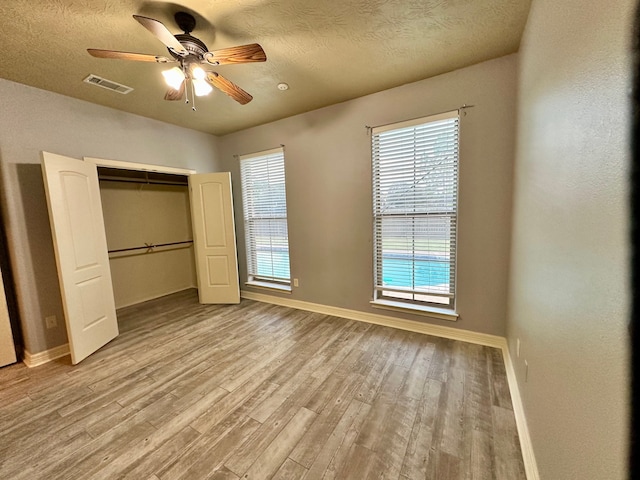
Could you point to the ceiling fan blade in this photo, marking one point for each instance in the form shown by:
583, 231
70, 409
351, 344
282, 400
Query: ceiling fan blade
173, 94
138, 57
241, 54
230, 88
163, 34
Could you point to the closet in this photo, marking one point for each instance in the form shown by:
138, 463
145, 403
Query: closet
147, 219
130, 234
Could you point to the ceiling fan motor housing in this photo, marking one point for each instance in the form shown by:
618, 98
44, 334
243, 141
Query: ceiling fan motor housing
193, 45
186, 22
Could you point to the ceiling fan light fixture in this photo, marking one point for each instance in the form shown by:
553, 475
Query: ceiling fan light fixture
201, 87
198, 73
174, 77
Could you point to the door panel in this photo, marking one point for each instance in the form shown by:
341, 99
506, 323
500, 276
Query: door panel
80, 244
214, 238
7, 348
215, 229
218, 270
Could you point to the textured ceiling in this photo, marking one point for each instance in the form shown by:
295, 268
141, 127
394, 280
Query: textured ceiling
328, 51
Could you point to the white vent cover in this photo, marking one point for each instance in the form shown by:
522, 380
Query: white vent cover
108, 84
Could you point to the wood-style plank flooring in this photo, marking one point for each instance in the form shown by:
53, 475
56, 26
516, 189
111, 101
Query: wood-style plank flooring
258, 391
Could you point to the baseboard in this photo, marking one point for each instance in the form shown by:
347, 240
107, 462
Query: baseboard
495, 341
528, 457
384, 320
154, 297
34, 359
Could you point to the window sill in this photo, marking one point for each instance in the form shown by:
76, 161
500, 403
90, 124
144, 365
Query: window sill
270, 286
427, 311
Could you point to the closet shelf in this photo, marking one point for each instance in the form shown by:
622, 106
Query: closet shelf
141, 181
149, 247
106, 174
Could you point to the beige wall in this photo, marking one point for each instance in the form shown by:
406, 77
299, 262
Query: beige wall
569, 277
33, 120
328, 179
139, 214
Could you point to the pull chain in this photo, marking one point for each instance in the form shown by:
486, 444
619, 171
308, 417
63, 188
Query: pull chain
193, 97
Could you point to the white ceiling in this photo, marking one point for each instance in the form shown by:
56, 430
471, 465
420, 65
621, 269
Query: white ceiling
328, 51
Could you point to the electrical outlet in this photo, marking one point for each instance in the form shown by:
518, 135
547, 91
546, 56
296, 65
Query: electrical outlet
526, 371
295, 282
51, 321
518, 348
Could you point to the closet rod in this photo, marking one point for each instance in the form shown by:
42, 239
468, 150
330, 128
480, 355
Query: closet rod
149, 247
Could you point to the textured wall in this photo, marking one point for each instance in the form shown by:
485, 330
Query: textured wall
33, 120
328, 178
569, 277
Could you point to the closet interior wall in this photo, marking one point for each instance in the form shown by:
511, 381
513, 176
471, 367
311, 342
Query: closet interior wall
143, 209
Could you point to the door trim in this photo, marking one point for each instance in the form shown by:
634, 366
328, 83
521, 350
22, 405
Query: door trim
144, 167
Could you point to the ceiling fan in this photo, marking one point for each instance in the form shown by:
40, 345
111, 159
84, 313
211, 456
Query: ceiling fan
190, 53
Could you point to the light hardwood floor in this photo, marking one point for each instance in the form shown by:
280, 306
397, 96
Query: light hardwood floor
259, 391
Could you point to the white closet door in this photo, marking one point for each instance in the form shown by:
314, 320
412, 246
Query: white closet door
7, 348
214, 238
77, 226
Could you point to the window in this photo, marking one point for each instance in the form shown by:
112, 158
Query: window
265, 218
415, 191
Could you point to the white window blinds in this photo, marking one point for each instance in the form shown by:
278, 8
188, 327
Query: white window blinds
415, 191
265, 216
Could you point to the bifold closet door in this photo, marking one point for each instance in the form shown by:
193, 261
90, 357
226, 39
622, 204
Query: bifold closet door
7, 348
214, 237
80, 244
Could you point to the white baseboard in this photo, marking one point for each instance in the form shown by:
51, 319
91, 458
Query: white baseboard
40, 358
494, 341
384, 320
528, 457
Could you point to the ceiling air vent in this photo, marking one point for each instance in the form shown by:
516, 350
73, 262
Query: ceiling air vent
108, 84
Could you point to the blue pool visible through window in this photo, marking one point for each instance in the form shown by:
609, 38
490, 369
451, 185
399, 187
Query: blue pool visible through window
414, 273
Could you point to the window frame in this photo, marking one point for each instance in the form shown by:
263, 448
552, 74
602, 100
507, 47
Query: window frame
250, 220
383, 296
